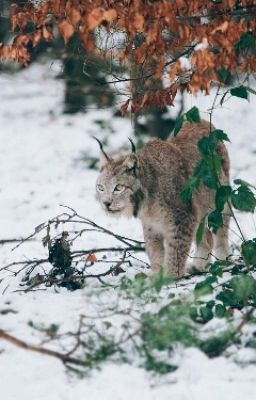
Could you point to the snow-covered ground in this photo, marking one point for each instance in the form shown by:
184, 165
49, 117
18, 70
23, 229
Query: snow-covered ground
41, 168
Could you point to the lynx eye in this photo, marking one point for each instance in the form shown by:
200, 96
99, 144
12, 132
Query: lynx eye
100, 188
119, 188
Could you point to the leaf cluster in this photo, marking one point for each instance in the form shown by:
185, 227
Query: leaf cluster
154, 32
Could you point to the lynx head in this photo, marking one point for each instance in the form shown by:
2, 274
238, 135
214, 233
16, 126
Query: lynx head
118, 186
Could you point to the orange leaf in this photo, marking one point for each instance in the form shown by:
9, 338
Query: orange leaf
95, 18
124, 107
138, 22
36, 37
110, 15
74, 16
91, 258
46, 34
66, 30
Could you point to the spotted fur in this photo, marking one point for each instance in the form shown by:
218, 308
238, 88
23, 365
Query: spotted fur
147, 185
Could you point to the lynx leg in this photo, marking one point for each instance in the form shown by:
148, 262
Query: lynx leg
178, 240
202, 255
221, 245
154, 247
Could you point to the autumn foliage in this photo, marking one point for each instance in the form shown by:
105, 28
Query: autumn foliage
192, 43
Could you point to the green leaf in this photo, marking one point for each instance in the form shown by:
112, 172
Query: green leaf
206, 313
200, 230
193, 313
215, 221
248, 250
140, 276
178, 125
220, 311
203, 288
188, 189
246, 42
210, 179
206, 145
243, 199
220, 135
224, 74
200, 168
222, 196
214, 162
215, 345
215, 269
240, 91
244, 287
243, 183
193, 115
227, 297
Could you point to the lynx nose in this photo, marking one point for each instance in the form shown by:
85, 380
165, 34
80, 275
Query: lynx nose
107, 204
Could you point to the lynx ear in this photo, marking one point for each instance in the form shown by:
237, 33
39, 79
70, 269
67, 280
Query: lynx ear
104, 158
131, 163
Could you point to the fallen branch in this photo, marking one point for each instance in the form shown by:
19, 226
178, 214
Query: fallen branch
68, 267
65, 358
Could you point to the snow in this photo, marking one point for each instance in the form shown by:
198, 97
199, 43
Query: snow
41, 154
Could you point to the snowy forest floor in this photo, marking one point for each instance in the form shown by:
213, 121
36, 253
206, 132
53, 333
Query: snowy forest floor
42, 166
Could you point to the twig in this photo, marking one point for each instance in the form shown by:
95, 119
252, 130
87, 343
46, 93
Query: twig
6, 241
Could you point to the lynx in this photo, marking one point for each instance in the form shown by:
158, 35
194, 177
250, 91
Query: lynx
147, 184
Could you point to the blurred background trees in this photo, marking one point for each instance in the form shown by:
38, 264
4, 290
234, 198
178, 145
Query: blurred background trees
143, 52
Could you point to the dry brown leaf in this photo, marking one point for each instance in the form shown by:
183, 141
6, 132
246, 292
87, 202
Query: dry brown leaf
95, 18
138, 22
91, 258
110, 15
66, 30
124, 107
47, 35
36, 37
74, 16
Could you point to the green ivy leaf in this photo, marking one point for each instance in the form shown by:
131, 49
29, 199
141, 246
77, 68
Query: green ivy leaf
215, 162
240, 91
243, 183
200, 168
204, 287
248, 250
140, 276
193, 115
206, 313
246, 42
215, 221
193, 313
222, 196
220, 311
220, 135
206, 145
243, 199
200, 230
224, 74
244, 287
188, 189
210, 179
178, 125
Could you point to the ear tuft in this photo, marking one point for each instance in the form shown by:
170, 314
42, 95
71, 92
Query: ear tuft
104, 158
